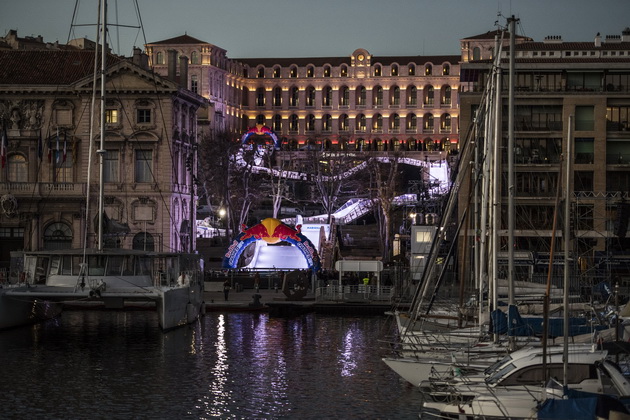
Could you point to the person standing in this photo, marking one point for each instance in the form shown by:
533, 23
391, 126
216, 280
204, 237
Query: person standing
226, 289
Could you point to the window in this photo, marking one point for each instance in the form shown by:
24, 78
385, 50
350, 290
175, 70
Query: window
310, 122
361, 96
377, 123
294, 96
585, 118
293, 72
17, 168
412, 69
394, 122
428, 70
310, 96
111, 116
445, 123
194, 83
446, 70
378, 96
143, 241
428, 123
160, 58
412, 96
277, 123
327, 71
260, 97
111, 166
327, 97
327, 122
343, 122
277, 96
361, 123
344, 96
261, 72
293, 123
446, 98
584, 150
194, 57
344, 71
310, 71
57, 236
394, 98
377, 70
260, 119
144, 116
63, 166
412, 122
617, 118
276, 72
394, 70
144, 164
429, 95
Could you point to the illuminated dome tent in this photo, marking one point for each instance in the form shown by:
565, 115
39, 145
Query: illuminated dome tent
260, 130
271, 231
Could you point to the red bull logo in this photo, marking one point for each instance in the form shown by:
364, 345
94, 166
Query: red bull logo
258, 231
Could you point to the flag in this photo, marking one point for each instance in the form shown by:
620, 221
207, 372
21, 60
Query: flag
4, 146
57, 154
49, 148
65, 141
40, 146
74, 151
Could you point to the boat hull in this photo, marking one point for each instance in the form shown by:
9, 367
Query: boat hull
17, 312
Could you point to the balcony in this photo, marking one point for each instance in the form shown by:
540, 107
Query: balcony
43, 189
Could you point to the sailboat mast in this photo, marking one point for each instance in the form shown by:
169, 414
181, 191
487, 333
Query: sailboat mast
101, 150
510, 155
567, 243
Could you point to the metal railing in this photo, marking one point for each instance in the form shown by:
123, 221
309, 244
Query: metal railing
354, 293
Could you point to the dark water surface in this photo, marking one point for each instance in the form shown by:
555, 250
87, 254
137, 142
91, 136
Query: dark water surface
119, 365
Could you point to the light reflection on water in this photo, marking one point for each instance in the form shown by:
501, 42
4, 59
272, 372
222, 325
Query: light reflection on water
229, 365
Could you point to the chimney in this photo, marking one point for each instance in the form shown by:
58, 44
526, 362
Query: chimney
183, 71
625, 35
598, 40
172, 65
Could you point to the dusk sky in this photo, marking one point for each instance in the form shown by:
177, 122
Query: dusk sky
316, 28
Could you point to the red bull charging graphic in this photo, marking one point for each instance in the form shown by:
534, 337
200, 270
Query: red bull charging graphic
271, 231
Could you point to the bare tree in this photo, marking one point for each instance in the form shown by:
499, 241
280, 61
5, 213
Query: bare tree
385, 178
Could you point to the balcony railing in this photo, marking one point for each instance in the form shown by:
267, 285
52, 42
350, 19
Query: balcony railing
43, 189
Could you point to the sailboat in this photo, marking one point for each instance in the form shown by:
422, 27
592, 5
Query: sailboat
172, 282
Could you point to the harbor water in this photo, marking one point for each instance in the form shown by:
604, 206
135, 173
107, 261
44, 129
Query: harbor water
241, 365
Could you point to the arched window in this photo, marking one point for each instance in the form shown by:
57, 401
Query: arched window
412, 69
194, 57
412, 96
17, 168
260, 97
445, 123
143, 241
360, 96
377, 70
377, 95
428, 95
160, 58
261, 72
446, 70
446, 97
327, 122
428, 123
394, 122
412, 122
310, 122
277, 96
377, 123
343, 122
476, 53
394, 70
344, 71
260, 119
293, 122
394, 96
57, 235
428, 70
326, 71
293, 72
344, 96
327, 96
310, 96
361, 125
310, 71
276, 72
277, 123
294, 96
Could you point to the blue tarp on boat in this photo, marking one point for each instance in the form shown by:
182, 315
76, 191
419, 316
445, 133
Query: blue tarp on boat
580, 405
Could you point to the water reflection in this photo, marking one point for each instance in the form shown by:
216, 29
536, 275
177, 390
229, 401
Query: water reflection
232, 365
